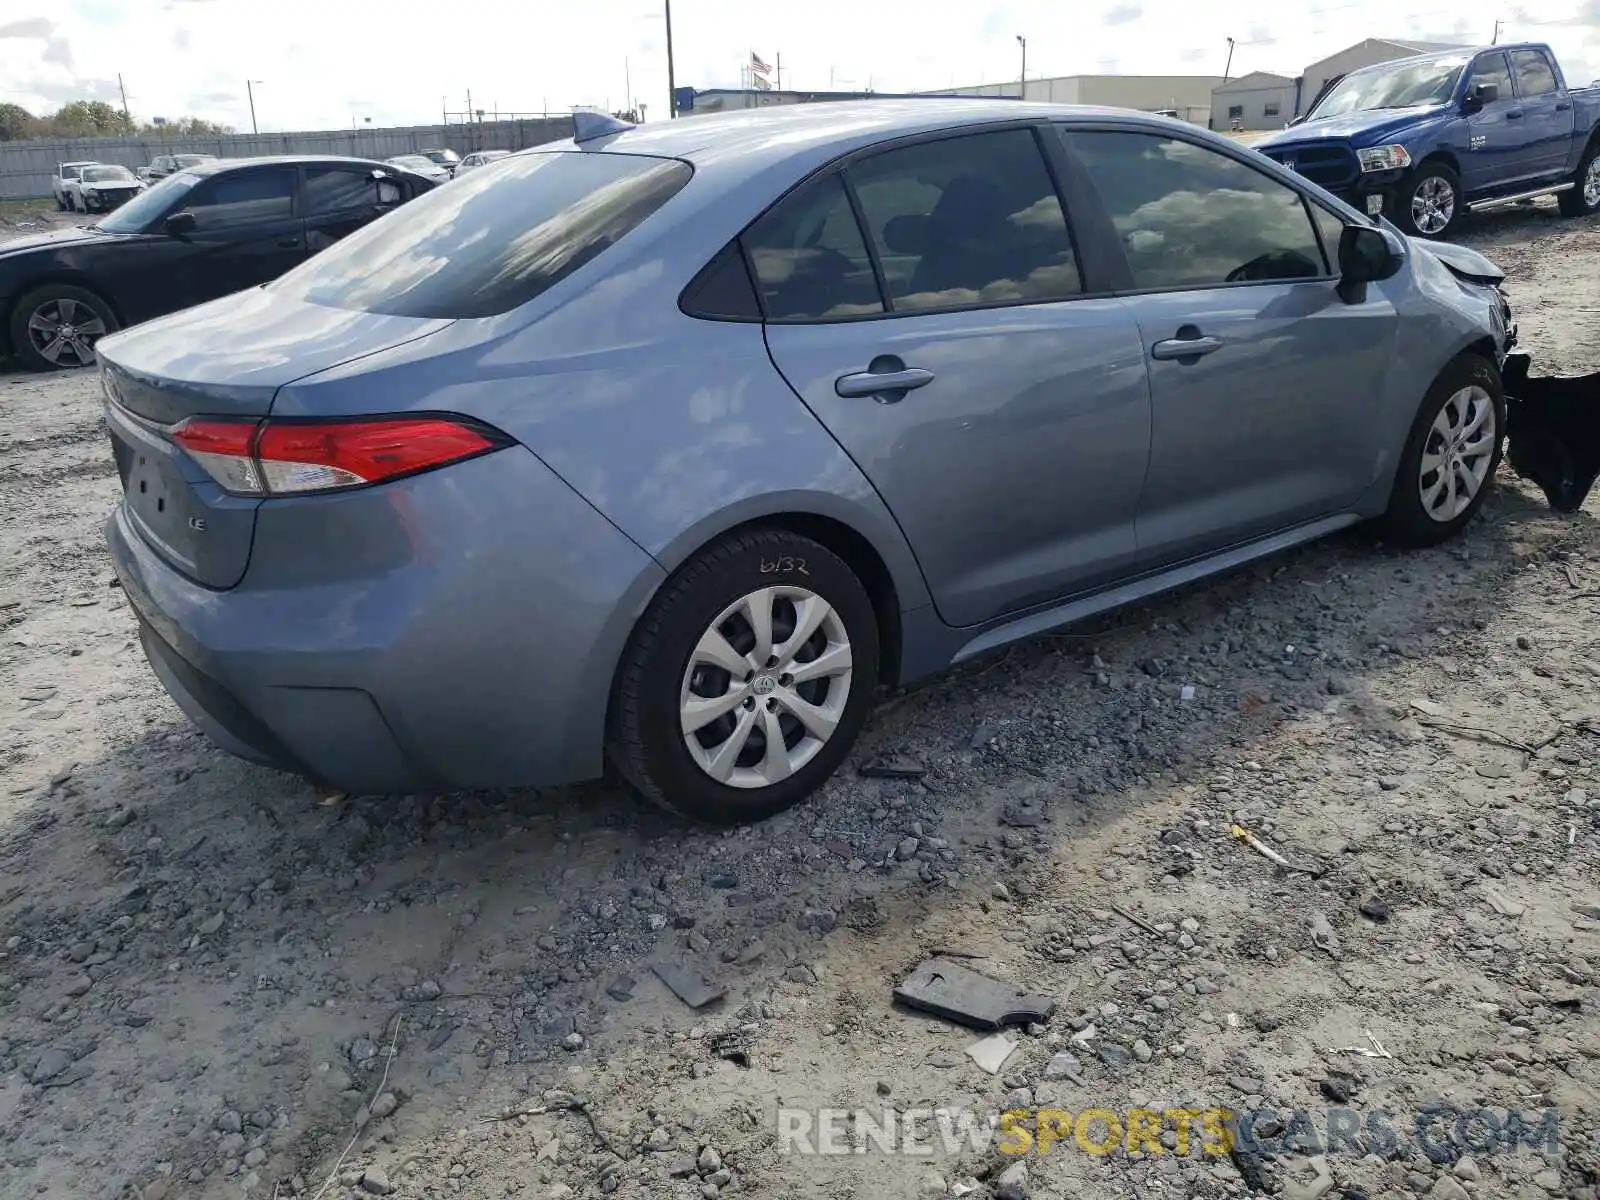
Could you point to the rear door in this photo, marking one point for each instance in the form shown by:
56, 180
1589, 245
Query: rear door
247, 232
1547, 120
1264, 384
950, 342
340, 199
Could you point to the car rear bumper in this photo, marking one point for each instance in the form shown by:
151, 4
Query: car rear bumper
458, 629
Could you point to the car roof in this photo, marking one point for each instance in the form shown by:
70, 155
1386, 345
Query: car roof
217, 165
731, 150
763, 137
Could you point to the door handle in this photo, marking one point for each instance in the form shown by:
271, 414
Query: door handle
1563, 105
880, 383
288, 243
1514, 115
1190, 347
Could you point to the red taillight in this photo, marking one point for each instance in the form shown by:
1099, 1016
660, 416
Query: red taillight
292, 457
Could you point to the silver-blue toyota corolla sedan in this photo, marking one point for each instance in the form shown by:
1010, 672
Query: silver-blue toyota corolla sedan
673, 444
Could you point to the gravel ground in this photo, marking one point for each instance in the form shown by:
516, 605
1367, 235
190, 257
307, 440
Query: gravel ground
214, 982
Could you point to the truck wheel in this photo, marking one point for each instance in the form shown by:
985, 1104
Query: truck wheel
1583, 197
1430, 201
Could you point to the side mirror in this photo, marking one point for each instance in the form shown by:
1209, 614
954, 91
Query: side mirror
180, 223
1480, 95
1365, 256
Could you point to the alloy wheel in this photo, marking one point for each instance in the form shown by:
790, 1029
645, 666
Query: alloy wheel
1457, 453
64, 332
1433, 204
765, 687
1591, 184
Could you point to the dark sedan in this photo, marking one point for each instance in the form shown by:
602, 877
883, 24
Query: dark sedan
213, 229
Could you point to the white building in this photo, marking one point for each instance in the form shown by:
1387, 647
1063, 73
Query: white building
1186, 96
1259, 100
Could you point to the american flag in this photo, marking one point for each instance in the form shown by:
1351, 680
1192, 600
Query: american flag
756, 65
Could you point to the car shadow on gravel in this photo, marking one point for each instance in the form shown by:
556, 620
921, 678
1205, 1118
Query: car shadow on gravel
192, 936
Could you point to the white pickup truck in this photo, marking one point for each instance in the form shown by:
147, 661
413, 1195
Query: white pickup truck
66, 173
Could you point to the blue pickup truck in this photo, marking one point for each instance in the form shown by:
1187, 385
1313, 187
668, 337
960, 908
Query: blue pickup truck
1422, 140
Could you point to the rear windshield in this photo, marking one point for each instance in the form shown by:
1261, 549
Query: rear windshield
494, 239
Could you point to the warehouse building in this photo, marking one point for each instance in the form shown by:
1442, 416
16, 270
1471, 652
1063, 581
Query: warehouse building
1259, 100
1185, 96
1263, 100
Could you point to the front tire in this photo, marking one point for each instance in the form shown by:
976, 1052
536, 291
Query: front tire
55, 327
1582, 199
1450, 456
1429, 201
747, 681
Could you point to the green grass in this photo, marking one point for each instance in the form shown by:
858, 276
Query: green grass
11, 210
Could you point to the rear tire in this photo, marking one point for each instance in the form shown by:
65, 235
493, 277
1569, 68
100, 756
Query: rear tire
1450, 456
1582, 199
50, 308
746, 739
1429, 201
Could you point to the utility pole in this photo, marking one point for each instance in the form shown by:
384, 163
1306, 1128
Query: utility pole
672, 86
127, 121
778, 65
627, 85
249, 89
1022, 81
1229, 66
1494, 41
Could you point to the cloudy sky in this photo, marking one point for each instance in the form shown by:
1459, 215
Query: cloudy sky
322, 63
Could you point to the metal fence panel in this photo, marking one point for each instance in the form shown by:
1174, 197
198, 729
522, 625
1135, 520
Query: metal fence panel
26, 168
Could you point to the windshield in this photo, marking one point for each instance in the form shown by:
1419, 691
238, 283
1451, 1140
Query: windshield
1404, 85
442, 156
136, 215
192, 160
494, 239
100, 174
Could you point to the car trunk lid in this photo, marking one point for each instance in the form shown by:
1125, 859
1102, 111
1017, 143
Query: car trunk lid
224, 359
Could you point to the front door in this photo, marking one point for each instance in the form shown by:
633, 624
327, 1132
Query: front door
1002, 414
1494, 139
1264, 384
246, 233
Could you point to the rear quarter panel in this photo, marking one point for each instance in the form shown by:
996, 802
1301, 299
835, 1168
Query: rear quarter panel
675, 429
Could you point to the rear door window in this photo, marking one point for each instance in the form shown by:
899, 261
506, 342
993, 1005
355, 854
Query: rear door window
967, 221
494, 239
810, 259
332, 190
1534, 76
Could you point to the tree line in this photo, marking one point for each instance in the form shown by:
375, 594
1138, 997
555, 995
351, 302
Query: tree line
93, 118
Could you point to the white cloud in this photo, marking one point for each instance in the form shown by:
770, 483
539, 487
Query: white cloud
323, 61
